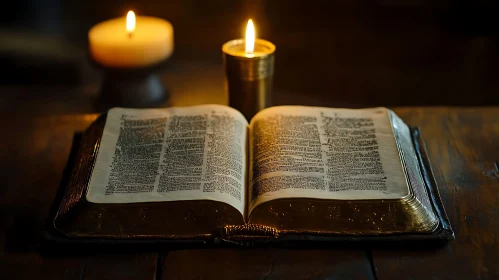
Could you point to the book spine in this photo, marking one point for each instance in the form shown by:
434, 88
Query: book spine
248, 232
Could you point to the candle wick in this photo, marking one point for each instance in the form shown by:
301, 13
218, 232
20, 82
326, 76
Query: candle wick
130, 34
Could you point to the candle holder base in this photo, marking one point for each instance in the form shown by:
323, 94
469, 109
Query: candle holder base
138, 87
132, 89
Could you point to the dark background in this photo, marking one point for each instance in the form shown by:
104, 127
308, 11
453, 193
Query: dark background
335, 53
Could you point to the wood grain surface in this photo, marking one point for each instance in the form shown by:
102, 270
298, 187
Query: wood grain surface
33, 154
266, 264
462, 144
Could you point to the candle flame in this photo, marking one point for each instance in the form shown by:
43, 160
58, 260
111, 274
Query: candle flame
250, 37
130, 22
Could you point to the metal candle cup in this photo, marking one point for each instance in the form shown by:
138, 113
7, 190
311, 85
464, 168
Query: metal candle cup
249, 76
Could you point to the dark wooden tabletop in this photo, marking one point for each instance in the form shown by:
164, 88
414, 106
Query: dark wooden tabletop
463, 145
354, 54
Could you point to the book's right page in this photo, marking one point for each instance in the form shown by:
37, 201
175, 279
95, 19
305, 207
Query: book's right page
324, 153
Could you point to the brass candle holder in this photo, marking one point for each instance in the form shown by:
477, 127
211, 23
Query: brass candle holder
249, 75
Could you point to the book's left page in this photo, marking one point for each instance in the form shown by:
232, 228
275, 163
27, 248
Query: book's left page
173, 154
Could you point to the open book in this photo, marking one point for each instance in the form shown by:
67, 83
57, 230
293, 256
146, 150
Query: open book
193, 171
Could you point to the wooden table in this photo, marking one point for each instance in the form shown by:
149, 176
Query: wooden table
463, 144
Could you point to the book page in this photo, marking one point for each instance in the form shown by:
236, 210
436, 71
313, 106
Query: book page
171, 154
324, 153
